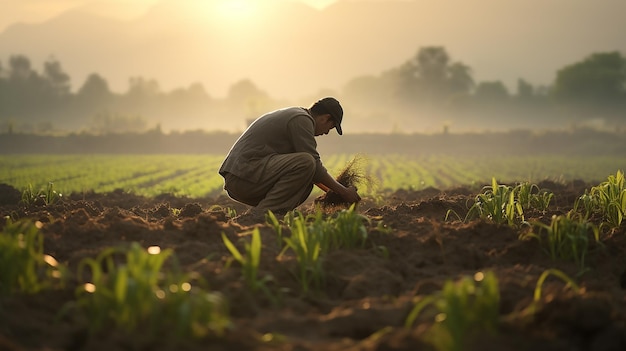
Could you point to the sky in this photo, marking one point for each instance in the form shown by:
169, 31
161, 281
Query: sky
499, 39
32, 11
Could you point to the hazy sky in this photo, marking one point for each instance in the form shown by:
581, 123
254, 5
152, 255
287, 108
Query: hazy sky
219, 42
30, 11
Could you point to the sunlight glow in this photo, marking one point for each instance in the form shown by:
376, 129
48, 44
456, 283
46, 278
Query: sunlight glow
236, 9
90, 288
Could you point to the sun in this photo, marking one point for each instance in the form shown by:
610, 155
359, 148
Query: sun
236, 9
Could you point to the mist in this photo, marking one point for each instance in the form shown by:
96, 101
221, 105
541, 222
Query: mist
177, 66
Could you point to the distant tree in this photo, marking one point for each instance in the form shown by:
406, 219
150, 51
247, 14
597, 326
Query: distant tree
21, 88
141, 88
460, 78
194, 93
95, 88
244, 90
492, 92
598, 79
430, 76
246, 97
105, 123
525, 90
370, 90
58, 80
20, 68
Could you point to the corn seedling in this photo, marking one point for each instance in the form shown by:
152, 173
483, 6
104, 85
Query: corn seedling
272, 220
586, 204
134, 293
610, 197
348, 229
530, 196
46, 196
532, 308
28, 195
498, 204
23, 265
460, 309
566, 237
250, 261
307, 245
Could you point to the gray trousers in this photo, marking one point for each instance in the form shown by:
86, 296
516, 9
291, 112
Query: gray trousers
285, 184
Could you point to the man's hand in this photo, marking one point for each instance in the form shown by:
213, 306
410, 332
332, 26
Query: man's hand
350, 194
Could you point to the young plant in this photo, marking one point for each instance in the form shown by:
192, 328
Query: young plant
272, 220
566, 237
348, 229
133, 294
498, 204
532, 308
46, 196
307, 244
23, 265
250, 261
610, 198
530, 196
460, 309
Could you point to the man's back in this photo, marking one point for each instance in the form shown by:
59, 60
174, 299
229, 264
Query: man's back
282, 131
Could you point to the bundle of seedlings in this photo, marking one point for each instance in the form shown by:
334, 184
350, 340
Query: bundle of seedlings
352, 175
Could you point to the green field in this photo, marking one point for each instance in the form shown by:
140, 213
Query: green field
196, 175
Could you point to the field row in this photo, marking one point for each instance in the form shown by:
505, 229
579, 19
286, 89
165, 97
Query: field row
196, 175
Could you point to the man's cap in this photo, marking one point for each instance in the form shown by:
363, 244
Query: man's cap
332, 106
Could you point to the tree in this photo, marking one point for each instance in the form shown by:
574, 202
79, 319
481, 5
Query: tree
248, 98
58, 80
598, 79
140, 88
525, 90
20, 68
94, 88
430, 76
494, 91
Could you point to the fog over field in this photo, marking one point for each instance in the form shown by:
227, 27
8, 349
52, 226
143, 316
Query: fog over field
397, 66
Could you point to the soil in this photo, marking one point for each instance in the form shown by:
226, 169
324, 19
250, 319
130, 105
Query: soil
367, 295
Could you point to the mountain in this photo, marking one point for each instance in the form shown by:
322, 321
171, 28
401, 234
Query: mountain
292, 50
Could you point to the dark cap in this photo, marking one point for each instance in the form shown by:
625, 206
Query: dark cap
332, 106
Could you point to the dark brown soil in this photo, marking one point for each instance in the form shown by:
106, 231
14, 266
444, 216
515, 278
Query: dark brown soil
367, 295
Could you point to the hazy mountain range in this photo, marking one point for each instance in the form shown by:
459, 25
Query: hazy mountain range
292, 50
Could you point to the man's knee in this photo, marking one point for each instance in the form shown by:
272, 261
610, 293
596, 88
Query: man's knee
305, 161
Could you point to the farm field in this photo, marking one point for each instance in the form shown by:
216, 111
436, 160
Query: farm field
145, 263
196, 175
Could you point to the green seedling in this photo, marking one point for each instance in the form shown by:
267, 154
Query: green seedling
136, 294
314, 235
567, 237
498, 204
610, 197
531, 196
23, 265
460, 309
47, 196
534, 306
250, 261
306, 243
272, 220
348, 229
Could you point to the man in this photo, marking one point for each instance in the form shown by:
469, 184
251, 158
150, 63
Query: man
274, 163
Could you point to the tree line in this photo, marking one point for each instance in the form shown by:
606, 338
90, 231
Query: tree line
39, 102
